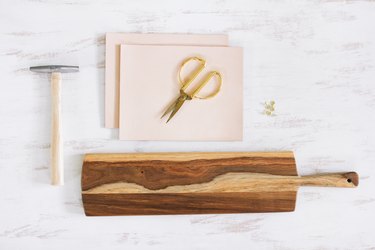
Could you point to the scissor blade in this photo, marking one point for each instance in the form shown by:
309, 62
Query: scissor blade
170, 108
179, 103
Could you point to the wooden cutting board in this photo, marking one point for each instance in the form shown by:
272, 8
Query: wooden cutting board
196, 183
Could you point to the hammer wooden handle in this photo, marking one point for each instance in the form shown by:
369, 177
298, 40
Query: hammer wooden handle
57, 161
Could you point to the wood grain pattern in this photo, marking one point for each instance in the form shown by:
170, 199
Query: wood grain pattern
185, 203
115, 184
236, 182
179, 168
184, 156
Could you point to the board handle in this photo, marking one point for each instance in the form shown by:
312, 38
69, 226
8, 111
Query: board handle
349, 179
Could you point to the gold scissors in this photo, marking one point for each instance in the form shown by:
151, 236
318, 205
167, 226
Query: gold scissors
184, 96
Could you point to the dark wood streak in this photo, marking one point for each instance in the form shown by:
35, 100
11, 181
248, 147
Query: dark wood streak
209, 203
155, 174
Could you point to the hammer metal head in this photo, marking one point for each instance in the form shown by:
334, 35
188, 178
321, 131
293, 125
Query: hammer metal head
55, 68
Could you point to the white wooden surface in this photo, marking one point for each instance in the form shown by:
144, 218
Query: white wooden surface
315, 58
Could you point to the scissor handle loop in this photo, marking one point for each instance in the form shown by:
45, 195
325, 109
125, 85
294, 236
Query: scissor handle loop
186, 83
209, 76
202, 64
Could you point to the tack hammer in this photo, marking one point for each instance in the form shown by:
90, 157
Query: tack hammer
57, 161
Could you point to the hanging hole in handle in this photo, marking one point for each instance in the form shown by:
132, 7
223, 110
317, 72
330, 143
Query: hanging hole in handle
351, 178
